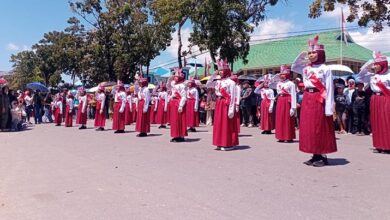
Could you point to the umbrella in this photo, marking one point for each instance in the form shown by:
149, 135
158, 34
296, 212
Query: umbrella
205, 78
107, 84
37, 86
151, 86
93, 89
249, 78
3, 82
340, 70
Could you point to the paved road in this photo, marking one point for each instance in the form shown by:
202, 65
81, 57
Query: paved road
55, 173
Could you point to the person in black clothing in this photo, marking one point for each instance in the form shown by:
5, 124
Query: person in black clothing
341, 106
47, 107
37, 103
359, 104
246, 105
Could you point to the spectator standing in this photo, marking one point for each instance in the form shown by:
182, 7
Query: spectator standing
246, 105
348, 93
29, 105
341, 107
359, 103
47, 107
37, 103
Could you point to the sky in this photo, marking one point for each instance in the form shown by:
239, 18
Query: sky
23, 23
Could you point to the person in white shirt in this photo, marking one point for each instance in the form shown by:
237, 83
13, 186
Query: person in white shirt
118, 122
143, 115
192, 108
267, 104
100, 115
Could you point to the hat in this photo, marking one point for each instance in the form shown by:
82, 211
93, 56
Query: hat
314, 45
382, 61
285, 70
81, 89
246, 82
223, 64
300, 85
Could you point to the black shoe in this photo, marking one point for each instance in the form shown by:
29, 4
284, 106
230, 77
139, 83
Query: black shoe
280, 141
193, 129
264, 132
312, 160
58, 124
290, 141
320, 163
119, 132
82, 127
142, 135
174, 140
377, 151
100, 129
269, 132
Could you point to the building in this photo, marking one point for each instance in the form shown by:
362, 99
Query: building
267, 57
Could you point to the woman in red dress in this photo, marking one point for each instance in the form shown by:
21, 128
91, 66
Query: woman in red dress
267, 104
225, 131
178, 99
118, 121
82, 108
285, 107
69, 110
192, 107
143, 114
162, 115
57, 110
129, 108
238, 99
316, 130
100, 115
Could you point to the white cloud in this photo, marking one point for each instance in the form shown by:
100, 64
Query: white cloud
373, 41
12, 47
272, 28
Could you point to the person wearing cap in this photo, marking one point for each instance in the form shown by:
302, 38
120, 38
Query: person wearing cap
100, 115
359, 103
129, 108
143, 114
57, 109
118, 117
192, 108
267, 103
82, 117
317, 133
162, 108
376, 73
225, 131
341, 108
69, 110
286, 107
178, 99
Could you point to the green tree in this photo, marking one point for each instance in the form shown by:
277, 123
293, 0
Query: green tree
25, 69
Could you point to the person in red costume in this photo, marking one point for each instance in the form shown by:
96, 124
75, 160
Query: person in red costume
57, 109
129, 108
69, 109
82, 108
225, 131
285, 107
376, 74
267, 103
317, 133
162, 109
100, 115
238, 99
143, 114
192, 107
118, 121
178, 99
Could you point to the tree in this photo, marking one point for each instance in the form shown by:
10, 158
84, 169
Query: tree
25, 69
376, 12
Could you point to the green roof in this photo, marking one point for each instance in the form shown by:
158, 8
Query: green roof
387, 54
279, 52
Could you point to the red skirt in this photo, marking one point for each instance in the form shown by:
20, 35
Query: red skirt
143, 119
81, 118
57, 116
225, 132
380, 121
134, 113
100, 119
316, 130
266, 121
178, 120
192, 116
162, 116
128, 114
169, 112
153, 114
118, 119
68, 117
285, 125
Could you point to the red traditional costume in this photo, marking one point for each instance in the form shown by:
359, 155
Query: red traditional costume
192, 106
238, 99
267, 104
178, 99
118, 121
285, 107
225, 131
380, 101
82, 108
129, 109
317, 133
69, 110
57, 110
100, 115
143, 115
153, 109
162, 115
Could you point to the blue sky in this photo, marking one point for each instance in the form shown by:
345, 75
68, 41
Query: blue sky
23, 23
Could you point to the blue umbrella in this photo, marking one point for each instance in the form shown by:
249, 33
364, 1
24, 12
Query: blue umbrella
37, 85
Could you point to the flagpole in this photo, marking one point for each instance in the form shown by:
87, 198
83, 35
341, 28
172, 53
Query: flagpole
341, 37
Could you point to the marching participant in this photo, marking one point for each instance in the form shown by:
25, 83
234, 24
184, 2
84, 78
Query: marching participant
238, 99
162, 114
57, 109
143, 114
69, 110
100, 115
192, 106
317, 133
286, 107
82, 108
267, 104
118, 121
225, 132
129, 108
177, 107
153, 108
134, 106
376, 73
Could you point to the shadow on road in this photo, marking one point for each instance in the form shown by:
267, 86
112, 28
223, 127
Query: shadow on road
189, 140
243, 147
154, 135
337, 161
245, 135
200, 131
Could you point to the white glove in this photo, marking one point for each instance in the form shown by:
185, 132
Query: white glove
121, 110
327, 115
231, 115
237, 108
292, 112
165, 110
180, 110
145, 110
82, 111
270, 110
70, 111
101, 111
195, 110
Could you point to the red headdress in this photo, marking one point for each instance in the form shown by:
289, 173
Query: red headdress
81, 90
101, 88
191, 82
120, 85
315, 46
179, 75
285, 70
382, 61
224, 66
162, 86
